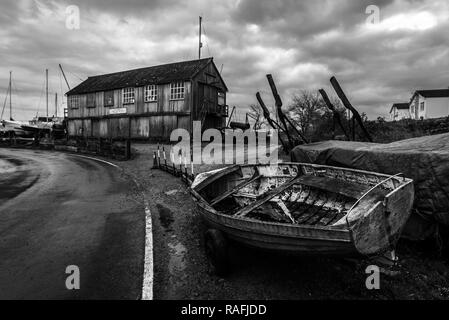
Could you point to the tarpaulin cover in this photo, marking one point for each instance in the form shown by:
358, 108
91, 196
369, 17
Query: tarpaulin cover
424, 159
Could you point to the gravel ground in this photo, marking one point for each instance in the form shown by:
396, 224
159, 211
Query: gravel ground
181, 271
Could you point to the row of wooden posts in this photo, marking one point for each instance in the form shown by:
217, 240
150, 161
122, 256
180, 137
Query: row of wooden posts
160, 162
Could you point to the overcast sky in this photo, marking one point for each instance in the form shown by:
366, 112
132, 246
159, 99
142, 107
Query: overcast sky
302, 43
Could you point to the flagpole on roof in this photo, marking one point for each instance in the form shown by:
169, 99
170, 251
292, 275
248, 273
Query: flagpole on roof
199, 39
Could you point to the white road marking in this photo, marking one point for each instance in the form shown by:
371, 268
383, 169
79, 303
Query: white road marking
96, 159
147, 286
147, 283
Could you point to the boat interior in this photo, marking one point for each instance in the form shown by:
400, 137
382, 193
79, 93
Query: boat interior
295, 193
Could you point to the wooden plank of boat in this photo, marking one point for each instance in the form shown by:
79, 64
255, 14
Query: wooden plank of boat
216, 176
299, 201
315, 211
338, 186
285, 210
321, 218
267, 197
305, 205
235, 189
330, 211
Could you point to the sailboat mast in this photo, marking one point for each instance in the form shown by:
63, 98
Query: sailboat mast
10, 103
56, 104
46, 89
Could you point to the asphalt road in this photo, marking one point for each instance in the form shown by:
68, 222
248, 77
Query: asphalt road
59, 209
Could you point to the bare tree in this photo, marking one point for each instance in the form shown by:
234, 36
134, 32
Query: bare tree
256, 114
306, 108
314, 119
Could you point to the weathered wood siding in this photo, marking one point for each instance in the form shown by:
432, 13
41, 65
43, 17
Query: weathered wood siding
152, 120
142, 120
164, 103
206, 85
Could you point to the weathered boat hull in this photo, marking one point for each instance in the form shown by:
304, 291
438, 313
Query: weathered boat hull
15, 128
373, 227
279, 237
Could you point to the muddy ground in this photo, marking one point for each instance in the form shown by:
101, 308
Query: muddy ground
181, 270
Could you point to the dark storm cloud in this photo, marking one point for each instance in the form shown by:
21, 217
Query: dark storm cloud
127, 8
302, 43
377, 68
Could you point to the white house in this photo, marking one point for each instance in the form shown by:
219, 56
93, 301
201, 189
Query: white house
426, 104
400, 111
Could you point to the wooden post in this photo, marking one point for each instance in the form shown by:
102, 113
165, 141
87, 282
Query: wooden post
128, 149
333, 126
128, 141
278, 103
353, 127
174, 169
297, 131
271, 122
266, 113
185, 166
172, 159
349, 106
165, 158
154, 160
334, 111
180, 162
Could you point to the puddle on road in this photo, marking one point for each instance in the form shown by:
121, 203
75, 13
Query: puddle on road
171, 192
177, 253
165, 217
176, 250
177, 265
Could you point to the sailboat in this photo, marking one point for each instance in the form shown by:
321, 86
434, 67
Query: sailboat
46, 124
12, 128
15, 129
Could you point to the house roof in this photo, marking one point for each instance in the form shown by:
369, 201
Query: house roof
165, 73
435, 93
401, 105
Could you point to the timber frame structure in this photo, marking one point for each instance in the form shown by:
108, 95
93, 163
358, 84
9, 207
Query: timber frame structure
148, 103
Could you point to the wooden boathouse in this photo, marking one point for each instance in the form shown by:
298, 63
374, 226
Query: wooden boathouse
148, 103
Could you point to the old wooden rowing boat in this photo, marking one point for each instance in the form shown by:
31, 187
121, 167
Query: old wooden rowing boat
305, 208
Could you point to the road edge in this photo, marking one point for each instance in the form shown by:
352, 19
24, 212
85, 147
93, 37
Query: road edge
148, 268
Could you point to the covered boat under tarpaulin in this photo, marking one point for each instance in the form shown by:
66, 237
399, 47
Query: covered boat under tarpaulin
424, 159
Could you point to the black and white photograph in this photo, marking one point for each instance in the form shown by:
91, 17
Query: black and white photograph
224, 155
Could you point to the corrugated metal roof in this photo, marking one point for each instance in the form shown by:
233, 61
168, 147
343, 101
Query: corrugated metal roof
166, 73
